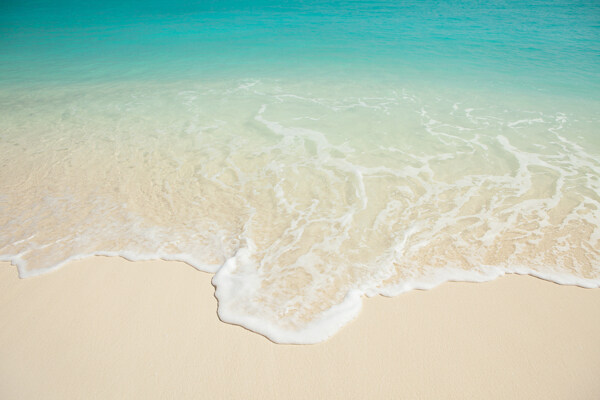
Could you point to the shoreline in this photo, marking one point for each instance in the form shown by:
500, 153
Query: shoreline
332, 320
110, 328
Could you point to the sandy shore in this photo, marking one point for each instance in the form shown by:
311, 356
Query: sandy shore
108, 328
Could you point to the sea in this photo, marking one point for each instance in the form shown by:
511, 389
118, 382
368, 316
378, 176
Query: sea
309, 153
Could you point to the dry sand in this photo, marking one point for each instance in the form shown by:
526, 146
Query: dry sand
108, 328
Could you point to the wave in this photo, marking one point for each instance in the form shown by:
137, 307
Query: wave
301, 197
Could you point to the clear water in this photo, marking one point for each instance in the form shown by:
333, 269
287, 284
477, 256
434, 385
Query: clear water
306, 152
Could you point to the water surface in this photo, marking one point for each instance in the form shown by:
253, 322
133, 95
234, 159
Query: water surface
306, 152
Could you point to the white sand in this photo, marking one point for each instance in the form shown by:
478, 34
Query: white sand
107, 328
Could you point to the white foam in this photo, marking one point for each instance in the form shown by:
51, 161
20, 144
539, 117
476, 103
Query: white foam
230, 288
302, 201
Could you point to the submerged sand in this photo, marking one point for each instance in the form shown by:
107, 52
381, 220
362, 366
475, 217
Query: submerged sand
108, 328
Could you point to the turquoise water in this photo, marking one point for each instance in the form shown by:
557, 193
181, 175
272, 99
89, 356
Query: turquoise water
307, 153
541, 45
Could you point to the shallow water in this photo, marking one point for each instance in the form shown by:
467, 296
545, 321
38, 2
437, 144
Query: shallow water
306, 154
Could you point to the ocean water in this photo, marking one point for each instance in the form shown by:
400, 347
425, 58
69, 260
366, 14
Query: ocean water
307, 153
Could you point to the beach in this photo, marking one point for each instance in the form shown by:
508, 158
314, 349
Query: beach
107, 328
317, 199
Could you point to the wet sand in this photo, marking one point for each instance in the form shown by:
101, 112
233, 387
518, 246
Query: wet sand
109, 328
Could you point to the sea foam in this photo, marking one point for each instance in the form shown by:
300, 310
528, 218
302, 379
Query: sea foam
302, 198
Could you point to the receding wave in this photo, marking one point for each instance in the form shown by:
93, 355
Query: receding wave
300, 197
